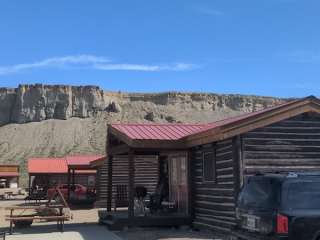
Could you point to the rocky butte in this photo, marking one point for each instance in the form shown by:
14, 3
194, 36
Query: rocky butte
54, 120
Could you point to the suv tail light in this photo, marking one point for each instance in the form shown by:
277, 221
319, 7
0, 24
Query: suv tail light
282, 224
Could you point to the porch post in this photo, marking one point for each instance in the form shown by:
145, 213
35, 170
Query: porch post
29, 185
73, 177
131, 183
190, 183
109, 190
69, 172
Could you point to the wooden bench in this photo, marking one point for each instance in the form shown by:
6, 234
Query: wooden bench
60, 220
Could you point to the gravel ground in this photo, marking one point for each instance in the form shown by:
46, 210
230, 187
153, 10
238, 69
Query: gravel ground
85, 220
167, 234
78, 215
72, 232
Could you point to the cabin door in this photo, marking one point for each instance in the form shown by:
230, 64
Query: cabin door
178, 181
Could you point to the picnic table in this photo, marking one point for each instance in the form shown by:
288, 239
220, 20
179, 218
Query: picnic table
8, 193
47, 212
60, 217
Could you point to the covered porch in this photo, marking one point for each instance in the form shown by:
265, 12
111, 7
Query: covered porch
136, 204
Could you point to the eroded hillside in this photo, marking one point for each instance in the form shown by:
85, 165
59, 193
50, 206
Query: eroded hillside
44, 120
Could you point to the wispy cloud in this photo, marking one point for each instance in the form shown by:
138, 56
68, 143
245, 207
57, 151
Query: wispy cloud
146, 68
93, 62
209, 11
55, 62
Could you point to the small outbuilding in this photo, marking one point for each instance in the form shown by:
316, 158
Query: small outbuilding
9, 176
48, 172
201, 167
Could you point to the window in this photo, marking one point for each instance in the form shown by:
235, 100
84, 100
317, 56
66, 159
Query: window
209, 167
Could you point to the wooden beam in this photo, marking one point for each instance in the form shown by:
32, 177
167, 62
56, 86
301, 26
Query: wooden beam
120, 149
69, 180
158, 144
73, 177
131, 183
97, 183
119, 135
255, 117
248, 125
29, 184
190, 183
109, 190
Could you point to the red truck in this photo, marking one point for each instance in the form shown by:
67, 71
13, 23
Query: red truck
78, 193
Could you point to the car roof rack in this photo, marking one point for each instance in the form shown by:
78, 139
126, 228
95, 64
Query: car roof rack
289, 174
309, 173
271, 173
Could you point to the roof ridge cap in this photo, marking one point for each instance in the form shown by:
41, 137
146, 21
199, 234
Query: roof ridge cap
159, 124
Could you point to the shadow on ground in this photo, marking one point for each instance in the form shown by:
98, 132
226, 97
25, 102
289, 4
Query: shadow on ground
71, 232
167, 234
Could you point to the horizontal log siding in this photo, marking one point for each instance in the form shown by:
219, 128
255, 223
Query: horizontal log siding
289, 145
213, 203
146, 174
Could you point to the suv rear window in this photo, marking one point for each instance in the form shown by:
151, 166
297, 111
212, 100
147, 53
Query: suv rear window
303, 195
259, 193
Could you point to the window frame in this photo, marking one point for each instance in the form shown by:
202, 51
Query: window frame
213, 152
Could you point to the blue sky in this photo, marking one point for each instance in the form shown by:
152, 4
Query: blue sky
267, 47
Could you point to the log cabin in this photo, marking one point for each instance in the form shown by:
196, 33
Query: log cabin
201, 167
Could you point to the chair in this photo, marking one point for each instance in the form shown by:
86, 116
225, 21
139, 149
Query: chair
160, 195
140, 195
121, 199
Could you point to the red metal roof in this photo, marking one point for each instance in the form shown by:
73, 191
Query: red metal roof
60, 165
178, 131
86, 172
9, 174
158, 131
240, 117
47, 165
82, 160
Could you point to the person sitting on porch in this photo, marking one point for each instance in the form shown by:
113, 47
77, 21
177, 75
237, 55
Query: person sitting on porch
161, 194
139, 205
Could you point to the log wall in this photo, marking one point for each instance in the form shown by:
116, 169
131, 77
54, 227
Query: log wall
146, 174
289, 145
213, 203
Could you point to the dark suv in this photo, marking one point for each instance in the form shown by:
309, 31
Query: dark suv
279, 206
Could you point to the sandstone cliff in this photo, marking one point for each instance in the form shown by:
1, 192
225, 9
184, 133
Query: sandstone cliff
43, 120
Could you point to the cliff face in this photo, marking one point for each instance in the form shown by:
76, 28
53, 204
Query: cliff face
35, 103
44, 121
29, 103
